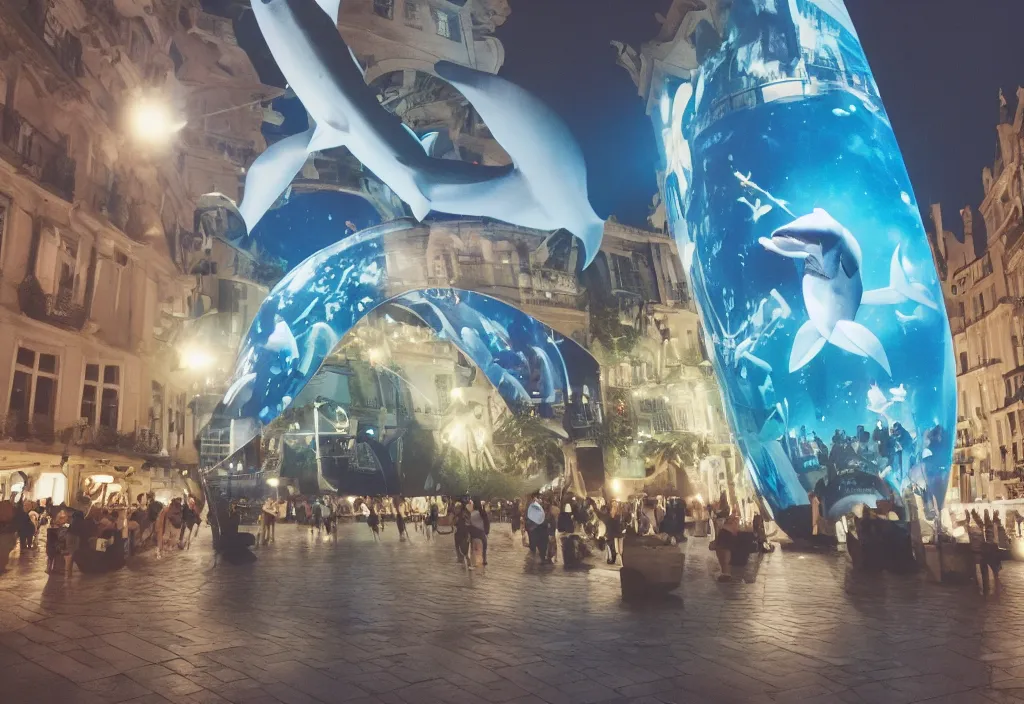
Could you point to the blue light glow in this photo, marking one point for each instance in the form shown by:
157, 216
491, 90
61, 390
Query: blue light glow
791, 204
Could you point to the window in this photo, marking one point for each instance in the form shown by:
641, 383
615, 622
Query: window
101, 395
384, 8
447, 25
412, 12
34, 387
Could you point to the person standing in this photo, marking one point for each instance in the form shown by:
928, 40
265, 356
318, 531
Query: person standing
612, 531
403, 533
516, 518
534, 519
269, 517
432, 520
23, 523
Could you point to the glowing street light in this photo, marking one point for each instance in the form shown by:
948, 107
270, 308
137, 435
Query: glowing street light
274, 482
195, 359
152, 121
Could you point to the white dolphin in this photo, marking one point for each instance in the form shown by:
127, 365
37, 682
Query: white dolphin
546, 188
832, 288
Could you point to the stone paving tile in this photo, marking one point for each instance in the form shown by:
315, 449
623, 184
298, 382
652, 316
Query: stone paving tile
399, 623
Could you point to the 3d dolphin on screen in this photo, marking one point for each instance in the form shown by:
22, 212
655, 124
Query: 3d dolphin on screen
832, 288
545, 188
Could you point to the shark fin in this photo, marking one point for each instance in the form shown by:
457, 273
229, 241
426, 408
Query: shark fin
270, 174
326, 137
854, 337
806, 345
331, 7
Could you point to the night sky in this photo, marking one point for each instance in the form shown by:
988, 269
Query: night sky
939, 65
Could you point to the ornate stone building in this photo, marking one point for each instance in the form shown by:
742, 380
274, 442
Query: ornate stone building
984, 295
101, 264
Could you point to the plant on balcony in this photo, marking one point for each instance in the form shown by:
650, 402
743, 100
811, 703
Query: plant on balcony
618, 433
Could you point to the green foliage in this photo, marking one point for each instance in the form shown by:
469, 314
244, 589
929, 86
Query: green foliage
617, 338
680, 449
618, 432
527, 447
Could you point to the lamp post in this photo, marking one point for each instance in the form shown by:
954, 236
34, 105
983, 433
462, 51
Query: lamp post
274, 482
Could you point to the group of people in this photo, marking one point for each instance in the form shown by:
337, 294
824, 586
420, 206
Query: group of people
100, 537
988, 539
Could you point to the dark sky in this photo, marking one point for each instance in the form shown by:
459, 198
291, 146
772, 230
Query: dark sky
939, 65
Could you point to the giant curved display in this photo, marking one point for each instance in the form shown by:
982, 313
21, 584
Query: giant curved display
318, 302
792, 206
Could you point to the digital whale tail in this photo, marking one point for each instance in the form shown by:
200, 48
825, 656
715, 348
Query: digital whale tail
900, 288
846, 335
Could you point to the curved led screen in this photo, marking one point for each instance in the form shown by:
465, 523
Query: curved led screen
799, 229
317, 303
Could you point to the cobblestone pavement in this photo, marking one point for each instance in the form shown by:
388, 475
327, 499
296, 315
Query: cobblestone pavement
312, 622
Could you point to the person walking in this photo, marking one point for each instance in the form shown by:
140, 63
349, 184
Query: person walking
373, 520
612, 519
317, 513
460, 521
478, 528
725, 540
54, 548
72, 539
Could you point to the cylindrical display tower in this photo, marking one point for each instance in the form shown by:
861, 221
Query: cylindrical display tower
792, 206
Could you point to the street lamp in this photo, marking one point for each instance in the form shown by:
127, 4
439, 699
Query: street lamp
274, 482
153, 122
195, 359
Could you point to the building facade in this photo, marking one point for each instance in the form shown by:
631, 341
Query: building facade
983, 295
98, 248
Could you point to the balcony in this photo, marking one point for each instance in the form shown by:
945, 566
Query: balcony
16, 426
56, 309
46, 161
141, 442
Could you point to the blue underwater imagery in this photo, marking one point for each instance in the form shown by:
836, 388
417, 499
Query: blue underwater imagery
791, 204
